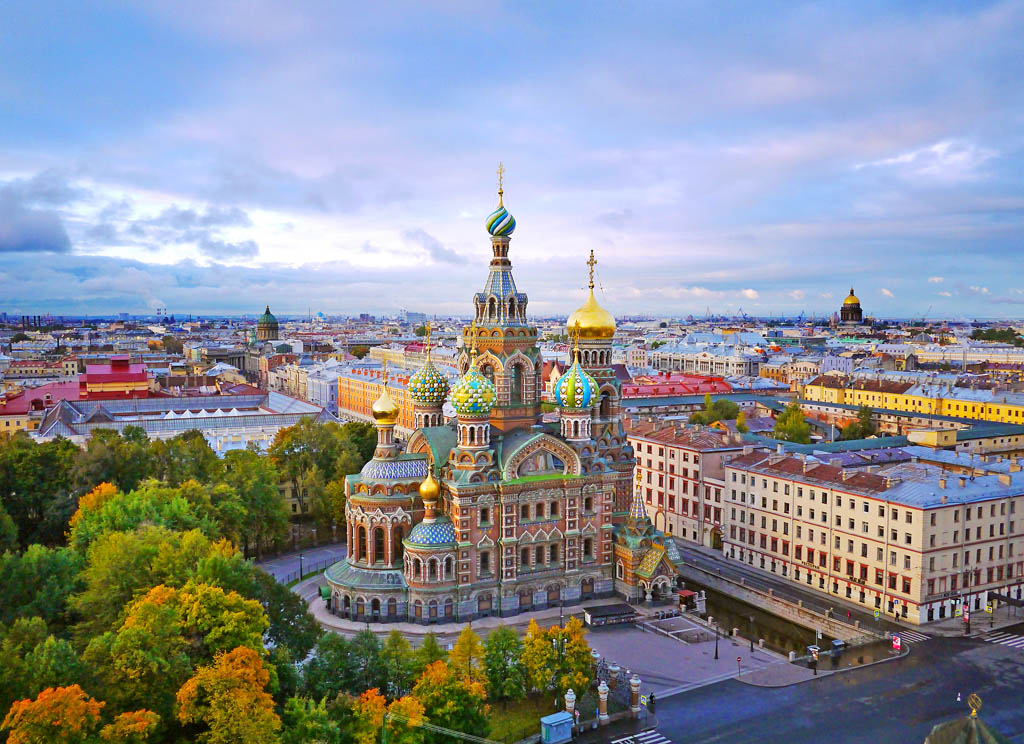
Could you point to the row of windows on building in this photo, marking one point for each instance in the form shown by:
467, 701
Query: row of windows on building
684, 457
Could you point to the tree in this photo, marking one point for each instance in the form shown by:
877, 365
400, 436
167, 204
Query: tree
124, 460
398, 664
503, 665
719, 410
429, 652
359, 351
790, 426
54, 663
862, 427
134, 727
266, 515
188, 456
35, 487
151, 503
466, 657
557, 658
452, 701
421, 331
330, 671
62, 715
741, 423
364, 650
173, 345
229, 699
39, 582
308, 721
18, 337
8, 531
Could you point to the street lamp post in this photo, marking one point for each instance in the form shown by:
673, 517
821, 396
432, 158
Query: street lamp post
300, 566
751, 633
716, 640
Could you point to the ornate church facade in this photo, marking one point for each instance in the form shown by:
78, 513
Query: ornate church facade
497, 512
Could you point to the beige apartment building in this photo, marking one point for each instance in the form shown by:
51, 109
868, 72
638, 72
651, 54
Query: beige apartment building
908, 540
682, 474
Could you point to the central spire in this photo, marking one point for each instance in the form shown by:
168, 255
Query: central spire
500, 304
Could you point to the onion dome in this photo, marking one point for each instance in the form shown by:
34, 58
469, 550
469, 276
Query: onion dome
593, 321
473, 394
500, 222
851, 299
385, 411
430, 489
428, 386
432, 533
575, 388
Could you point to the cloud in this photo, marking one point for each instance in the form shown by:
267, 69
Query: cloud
944, 294
948, 160
797, 294
887, 293
750, 294
434, 247
975, 289
224, 251
51, 188
178, 218
935, 280
25, 230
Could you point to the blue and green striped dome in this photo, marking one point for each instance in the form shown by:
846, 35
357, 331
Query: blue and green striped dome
500, 222
473, 394
428, 386
575, 388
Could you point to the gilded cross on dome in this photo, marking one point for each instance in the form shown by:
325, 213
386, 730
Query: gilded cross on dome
427, 334
591, 263
501, 180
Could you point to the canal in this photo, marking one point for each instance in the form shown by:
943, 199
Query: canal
778, 634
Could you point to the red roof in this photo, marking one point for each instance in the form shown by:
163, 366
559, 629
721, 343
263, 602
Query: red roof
22, 402
677, 383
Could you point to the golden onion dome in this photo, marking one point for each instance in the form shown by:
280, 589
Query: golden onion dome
430, 489
592, 320
851, 299
385, 411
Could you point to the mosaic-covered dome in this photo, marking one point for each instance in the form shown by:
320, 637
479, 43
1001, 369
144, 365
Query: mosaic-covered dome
473, 394
500, 222
428, 386
438, 532
575, 388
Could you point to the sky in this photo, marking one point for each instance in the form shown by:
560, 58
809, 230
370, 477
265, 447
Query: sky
213, 157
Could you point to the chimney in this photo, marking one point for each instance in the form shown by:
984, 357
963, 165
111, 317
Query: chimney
944, 499
891, 481
963, 481
779, 449
942, 482
747, 450
1004, 479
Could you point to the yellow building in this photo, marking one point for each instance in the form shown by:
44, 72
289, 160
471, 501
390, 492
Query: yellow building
360, 387
939, 400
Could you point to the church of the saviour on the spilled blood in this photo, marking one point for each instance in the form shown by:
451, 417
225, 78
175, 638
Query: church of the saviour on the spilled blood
497, 512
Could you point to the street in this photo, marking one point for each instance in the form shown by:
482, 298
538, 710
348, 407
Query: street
285, 568
896, 701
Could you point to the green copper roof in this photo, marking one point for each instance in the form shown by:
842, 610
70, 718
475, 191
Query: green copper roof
267, 318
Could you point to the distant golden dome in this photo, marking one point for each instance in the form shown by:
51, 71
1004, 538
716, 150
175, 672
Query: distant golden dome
385, 411
430, 489
594, 321
851, 299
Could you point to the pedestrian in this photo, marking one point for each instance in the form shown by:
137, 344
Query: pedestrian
847, 616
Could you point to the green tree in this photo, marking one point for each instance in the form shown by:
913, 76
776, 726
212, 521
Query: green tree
428, 652
364, 650
398, 663
421, 331
452, 701
359, 351
307, 721
790, 426
39, 582
8, 531
466, 657
124, 460
503, 665
35, 487
18, 337
266, 515
173, 345
188, 456
719, 410
331, 670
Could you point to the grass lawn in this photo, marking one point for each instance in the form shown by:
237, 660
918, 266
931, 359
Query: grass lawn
512, 720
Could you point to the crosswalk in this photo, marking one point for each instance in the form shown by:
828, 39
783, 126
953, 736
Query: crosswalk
647, 737
1007, 639
912, 636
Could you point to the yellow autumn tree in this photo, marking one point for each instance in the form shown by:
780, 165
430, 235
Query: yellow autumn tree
230, 699
93, 500
58, 715
467, 656
368, 717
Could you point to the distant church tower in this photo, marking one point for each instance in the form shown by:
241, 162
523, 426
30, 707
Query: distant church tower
266, 327
850, 313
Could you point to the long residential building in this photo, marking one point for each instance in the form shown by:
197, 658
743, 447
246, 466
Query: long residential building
907, 540
681, 472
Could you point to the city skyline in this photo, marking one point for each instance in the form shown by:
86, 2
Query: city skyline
210, 161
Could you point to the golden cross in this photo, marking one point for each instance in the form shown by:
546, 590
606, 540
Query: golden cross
385, 373
592, 263
428, 340
576, 339
472, 330
501, 180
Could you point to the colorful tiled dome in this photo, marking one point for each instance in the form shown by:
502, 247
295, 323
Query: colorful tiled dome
575, 388
500, 222
428, 534
428, 386
473, 394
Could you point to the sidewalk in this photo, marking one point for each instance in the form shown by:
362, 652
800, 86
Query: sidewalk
617, 729
981, 623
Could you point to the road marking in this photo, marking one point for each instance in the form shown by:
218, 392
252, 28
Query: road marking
647, 737
1006, 639
912, 636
